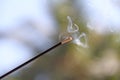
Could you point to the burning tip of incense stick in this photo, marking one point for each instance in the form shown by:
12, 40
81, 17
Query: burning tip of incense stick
67, 39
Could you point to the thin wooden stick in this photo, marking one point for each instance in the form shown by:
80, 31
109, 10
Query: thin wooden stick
36, 57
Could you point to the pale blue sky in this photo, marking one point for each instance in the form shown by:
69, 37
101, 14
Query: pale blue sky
14, 15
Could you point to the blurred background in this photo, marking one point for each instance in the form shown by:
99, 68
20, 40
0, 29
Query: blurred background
31, 26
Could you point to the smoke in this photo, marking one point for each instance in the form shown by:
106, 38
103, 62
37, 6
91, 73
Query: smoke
73, 31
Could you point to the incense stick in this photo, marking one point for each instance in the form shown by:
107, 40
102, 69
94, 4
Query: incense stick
68, 39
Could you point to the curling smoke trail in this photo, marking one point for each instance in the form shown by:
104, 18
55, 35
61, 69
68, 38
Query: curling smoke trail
73, 30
